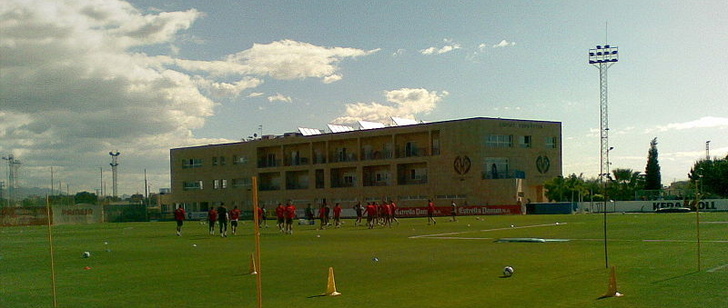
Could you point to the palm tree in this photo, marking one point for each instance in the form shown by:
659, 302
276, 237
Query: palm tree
625, 183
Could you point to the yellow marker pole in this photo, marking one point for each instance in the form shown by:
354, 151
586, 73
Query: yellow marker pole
50, 243
697, 217
256, 229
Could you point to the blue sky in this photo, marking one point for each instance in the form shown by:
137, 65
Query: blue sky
81, 78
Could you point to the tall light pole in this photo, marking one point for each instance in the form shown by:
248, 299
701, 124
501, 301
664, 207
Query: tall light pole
114, 165
603, 57
707, 150
13, 165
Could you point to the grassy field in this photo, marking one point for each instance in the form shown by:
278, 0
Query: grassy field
451, 264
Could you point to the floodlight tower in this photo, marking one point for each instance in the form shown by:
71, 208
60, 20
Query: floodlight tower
13, 166
707, 150
114, 164
603, 57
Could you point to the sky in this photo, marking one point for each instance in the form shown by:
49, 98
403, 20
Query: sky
80, 79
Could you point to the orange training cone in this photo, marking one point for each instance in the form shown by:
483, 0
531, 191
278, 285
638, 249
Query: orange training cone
331, 285
253, 269
612, 291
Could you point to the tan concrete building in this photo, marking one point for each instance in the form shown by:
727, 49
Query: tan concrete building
475, 161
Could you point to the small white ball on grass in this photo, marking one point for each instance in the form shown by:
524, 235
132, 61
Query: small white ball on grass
508, 271
86, 254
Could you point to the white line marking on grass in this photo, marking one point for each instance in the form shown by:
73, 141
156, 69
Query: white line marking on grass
669, 241
461, 238
444, 235
715, 269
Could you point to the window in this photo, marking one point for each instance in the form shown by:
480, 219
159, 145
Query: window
410, 149
215, 184
496, 168
499, 141
550, 142
341, 154
242, 182
239, 160
223, 184
222, 160
271, 160
191, 163
193, 185
524, 141
214, 161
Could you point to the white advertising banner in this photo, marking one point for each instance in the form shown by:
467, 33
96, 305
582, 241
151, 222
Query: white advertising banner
709, 205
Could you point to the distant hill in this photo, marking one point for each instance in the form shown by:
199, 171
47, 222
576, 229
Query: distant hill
24, 192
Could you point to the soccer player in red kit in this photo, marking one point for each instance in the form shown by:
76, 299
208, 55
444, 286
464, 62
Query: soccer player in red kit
211, 219
387, 213
322, 216
431, 212
234, 217
394, 211
280, 215
290, 215
337, 215
371, 213
261, 216
179, 216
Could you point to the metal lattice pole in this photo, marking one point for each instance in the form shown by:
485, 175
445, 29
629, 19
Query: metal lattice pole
603, 57
114, 164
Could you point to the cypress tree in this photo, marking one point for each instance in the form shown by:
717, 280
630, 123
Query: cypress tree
653, 179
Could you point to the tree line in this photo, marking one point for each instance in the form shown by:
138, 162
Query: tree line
708, 178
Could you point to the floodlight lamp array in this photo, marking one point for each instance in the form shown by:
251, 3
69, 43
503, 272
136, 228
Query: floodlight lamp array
603, 54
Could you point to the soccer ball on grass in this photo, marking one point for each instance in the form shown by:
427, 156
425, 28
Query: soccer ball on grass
508, 271
86, 254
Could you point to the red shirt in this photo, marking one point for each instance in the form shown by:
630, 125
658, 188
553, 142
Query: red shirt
235, 214
179, 214
371, 210
388, 209
212, 215
322, 212
260, 213
337, 211
291, 211
430, 207
280, 211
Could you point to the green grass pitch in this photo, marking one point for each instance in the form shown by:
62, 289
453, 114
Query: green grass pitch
450, 264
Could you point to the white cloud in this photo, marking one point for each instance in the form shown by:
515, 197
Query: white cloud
399, 52
287, 59
448, 47
224, 89
256, 94
75, 85
504, 43
704, 122
332, 78
280, 98
403, 103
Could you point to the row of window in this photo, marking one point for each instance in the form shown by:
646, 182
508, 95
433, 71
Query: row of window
216, 184
506, 141
494, 168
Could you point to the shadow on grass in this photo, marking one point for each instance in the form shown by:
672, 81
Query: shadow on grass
676, 277
316, 296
